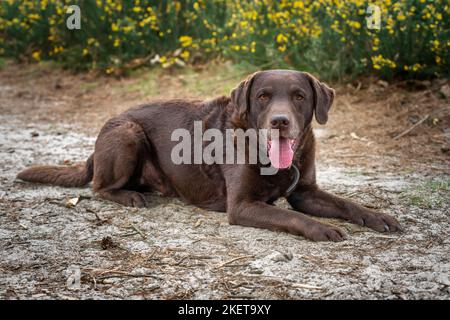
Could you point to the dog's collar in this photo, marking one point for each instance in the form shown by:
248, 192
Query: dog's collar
294, 182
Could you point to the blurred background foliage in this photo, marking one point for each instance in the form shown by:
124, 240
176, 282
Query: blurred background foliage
327, 37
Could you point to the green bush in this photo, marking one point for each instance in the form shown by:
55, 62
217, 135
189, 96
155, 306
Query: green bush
328, 37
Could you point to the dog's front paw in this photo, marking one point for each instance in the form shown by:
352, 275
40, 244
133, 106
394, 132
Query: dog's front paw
379, 222
322, 232
136, 200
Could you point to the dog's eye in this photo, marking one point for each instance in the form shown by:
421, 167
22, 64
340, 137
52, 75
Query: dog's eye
299, 97
263, 97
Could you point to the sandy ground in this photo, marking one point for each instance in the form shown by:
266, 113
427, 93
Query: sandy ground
50, 237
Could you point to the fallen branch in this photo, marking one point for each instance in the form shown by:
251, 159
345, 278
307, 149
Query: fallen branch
306, 286
114, 273
122, 275
231, 261
418, 123
143, 235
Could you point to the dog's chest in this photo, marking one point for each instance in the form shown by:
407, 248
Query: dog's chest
276, 186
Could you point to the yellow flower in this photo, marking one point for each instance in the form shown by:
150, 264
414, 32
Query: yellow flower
85, 52
185, 55
436, 44
127, 29
57, 49
36, 55
379, 61
281, 38
33, 16
165, 63
416, 67
354, 24
177, 6
114, 27
116, 43
186, 41
299, 4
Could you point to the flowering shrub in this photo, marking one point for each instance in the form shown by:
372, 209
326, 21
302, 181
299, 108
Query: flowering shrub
329, 37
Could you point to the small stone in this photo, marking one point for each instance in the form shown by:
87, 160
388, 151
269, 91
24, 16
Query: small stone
282, 257
445, 90
108, 243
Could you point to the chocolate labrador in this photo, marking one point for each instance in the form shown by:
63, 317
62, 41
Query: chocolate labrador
133, 154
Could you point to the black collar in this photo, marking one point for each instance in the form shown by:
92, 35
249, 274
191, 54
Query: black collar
294, 182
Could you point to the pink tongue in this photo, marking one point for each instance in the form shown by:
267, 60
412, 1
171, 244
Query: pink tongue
281, 153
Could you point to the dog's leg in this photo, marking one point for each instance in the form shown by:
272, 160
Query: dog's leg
117, 156
245, 185
262, 215
311, 200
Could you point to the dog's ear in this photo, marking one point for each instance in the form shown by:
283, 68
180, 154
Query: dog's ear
323, 98
240, 96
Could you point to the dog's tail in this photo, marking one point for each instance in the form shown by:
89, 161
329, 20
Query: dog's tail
74, 176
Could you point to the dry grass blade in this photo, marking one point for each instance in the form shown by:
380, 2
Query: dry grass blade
418, 123
135, 228
231, 261
306, 286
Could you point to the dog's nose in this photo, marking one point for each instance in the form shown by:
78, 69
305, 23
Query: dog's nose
279, 121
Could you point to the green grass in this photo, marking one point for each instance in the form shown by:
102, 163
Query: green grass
218, 80
211, 81
429, 195
88, 86
357, 173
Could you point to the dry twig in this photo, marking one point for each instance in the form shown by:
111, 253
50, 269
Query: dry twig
231, 261
412, 127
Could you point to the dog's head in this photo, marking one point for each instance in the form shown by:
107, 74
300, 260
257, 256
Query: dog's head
285, 100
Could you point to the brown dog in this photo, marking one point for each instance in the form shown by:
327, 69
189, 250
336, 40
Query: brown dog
133, 154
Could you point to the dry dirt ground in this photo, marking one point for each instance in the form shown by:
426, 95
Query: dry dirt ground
49, 235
